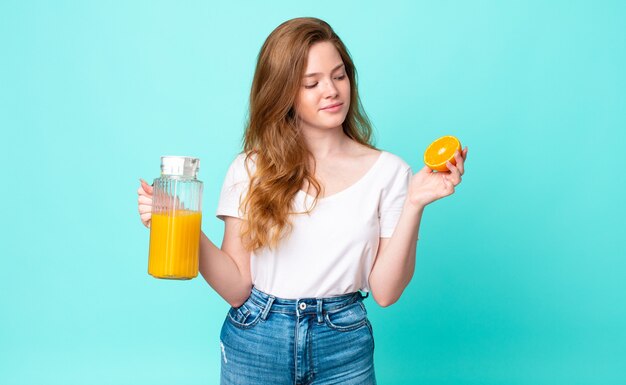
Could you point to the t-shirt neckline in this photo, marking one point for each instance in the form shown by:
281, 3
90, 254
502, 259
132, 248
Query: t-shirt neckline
353, 185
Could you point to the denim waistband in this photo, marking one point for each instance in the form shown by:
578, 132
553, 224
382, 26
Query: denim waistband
270, 303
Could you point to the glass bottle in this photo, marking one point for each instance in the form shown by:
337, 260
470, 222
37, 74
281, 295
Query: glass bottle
176, 219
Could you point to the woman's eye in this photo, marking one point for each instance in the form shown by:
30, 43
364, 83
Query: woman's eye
313, 85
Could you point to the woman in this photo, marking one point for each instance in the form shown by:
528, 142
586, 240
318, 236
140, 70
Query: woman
314, 214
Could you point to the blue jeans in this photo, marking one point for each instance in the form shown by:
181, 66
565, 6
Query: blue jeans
312, 341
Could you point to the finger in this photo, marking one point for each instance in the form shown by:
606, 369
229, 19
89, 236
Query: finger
449, 186
459, 162
144, 200
147, 188
146, 220
455, 175
142, 192
144, 209
465, 153
426, 170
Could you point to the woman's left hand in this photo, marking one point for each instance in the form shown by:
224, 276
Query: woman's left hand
427, 186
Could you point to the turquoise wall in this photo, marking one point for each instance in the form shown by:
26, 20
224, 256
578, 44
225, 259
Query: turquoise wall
520, 275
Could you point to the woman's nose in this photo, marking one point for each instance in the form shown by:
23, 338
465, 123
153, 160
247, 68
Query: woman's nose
330, 90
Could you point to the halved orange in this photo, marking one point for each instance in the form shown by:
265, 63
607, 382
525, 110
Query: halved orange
440, 151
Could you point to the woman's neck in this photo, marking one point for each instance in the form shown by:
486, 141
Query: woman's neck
326, 143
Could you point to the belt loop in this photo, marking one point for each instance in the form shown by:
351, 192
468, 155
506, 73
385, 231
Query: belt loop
320, 319
268, 306
364, 296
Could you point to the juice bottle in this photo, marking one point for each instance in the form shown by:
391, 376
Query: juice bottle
176, 219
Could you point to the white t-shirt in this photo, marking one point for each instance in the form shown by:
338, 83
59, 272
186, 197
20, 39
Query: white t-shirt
330, 251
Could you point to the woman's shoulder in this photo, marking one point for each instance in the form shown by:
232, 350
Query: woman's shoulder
385, 162
244, 159
364, 152
242, 166
394, 161
241, 157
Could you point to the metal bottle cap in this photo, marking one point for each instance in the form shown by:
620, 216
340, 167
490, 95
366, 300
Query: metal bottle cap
180, 166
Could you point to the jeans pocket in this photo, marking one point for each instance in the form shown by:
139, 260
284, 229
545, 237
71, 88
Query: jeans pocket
347, 318
246, 315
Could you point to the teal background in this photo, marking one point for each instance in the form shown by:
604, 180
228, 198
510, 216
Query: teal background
520, 275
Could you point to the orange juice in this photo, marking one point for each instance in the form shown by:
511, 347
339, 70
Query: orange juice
174, 244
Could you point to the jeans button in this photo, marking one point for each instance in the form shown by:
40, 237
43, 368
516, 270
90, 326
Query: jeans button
302, 305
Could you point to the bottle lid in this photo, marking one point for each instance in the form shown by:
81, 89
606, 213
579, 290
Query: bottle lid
180, 166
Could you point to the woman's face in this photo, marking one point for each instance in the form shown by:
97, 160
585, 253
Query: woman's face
324, 84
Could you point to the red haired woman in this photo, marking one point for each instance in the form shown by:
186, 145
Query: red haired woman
314, 215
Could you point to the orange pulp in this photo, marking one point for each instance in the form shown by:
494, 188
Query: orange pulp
441, 151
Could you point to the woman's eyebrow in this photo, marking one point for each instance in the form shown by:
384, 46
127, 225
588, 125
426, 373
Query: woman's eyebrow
317, 73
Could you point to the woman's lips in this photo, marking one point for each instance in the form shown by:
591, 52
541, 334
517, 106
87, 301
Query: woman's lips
333, 108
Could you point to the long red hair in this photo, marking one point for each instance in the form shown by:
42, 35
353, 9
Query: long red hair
272, 140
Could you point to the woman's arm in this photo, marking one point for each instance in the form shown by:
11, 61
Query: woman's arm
227, 270
395, 261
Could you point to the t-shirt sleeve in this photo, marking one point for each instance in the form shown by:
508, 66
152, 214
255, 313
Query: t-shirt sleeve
234, 189
392, 201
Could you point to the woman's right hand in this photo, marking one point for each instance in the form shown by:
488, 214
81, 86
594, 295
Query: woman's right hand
145, 202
